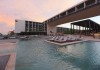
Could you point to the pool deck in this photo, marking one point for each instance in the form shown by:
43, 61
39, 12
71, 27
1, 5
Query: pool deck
8, 45
84, 39
90, 38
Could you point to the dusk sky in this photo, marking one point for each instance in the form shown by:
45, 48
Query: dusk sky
34, 10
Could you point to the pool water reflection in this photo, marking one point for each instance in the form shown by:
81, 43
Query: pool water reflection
39, 55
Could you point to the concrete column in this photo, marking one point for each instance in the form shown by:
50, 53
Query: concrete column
28, 26
59, 16
79, 29
35, 26
75, 9
32, 26
89, 27
71, 29
85, 30
51, 29
84, 5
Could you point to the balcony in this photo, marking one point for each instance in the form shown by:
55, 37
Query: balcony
80, 6
77, 8
90, 2
63, 14
72, 10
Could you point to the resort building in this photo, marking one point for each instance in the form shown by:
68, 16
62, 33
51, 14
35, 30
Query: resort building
30, 28
86, 9
0, 34
85, 27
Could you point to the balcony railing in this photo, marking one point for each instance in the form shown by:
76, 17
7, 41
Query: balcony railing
79, 7
72, 10
63, 14
90, 2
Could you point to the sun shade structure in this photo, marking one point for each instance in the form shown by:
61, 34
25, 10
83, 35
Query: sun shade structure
87, 26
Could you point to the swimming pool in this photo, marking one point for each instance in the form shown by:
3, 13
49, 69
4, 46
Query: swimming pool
37, 54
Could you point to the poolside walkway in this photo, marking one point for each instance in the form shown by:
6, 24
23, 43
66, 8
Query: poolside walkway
3, 61
7, 51
90, 38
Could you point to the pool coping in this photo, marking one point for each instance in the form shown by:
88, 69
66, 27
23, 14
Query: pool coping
3, 61
11, 61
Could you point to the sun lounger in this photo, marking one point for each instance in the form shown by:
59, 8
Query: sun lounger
52, 39
60, 38
49, 37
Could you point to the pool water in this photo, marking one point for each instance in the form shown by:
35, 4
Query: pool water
37, 54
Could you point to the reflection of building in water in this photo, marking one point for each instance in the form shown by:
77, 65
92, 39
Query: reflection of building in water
63, 49
77, 50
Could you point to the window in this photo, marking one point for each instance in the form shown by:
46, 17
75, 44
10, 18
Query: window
30, 24
26, 24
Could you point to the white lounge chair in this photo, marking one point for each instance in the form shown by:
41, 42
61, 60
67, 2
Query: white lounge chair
62, 40
52, 39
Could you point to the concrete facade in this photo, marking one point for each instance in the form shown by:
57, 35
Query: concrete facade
52, 29
90, 8
19, 26
29, 27
87, 9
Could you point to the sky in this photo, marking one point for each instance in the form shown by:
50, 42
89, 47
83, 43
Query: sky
34, 10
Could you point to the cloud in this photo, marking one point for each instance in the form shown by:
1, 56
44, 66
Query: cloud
4, 27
